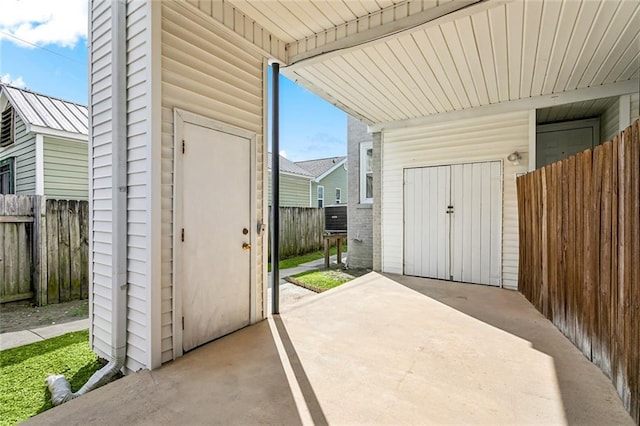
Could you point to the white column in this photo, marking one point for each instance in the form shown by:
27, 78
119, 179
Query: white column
624, 115
39, 164
532, 140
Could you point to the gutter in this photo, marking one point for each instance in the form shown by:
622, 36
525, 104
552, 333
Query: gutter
58, 385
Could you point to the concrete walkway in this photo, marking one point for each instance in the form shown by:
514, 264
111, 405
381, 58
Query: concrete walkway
25, 337
377, 350
289, 293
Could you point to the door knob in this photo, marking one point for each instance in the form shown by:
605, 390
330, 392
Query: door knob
246, 246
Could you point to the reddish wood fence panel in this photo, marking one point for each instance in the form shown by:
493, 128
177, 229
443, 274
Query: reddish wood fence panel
580, 254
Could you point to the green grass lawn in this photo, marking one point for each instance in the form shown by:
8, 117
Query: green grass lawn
322, 280
23, 391
292, 262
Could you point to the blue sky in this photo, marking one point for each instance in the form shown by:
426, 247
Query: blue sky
309, 126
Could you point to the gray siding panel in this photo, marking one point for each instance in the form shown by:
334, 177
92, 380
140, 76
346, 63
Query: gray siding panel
65, 169
24, 151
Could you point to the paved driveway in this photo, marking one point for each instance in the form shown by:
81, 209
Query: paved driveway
379, 350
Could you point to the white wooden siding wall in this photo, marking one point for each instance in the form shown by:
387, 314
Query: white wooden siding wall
234, 19
101, 175
462, 141
609, 121
204, 71
138, 191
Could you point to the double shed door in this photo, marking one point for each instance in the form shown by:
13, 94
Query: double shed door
453, 222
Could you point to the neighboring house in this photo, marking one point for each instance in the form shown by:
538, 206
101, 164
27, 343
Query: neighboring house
329, 186
295, 184
43, 145
360, 205
451, 92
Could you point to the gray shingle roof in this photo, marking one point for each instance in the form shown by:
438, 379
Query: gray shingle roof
320, 166
44, 111
290, 167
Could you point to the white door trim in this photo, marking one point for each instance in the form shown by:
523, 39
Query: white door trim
180, 117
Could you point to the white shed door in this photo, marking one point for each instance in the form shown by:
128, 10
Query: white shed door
427, 242
453, 222
216, 192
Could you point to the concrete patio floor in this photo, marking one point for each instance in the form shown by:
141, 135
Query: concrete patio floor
378, 350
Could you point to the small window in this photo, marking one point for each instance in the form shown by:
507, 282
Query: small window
7, 176
366, 172
7, 126
320, 197
338, 195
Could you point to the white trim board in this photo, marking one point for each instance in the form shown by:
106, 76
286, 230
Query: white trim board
39, 164
46, 131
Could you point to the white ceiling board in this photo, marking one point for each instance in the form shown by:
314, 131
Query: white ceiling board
628, 15
488, 53
579, 33
568, 17
515, 21
549, 30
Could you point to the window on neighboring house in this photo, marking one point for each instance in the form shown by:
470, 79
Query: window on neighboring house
320, 197
366, 172
7, 127
338, 195
7, 176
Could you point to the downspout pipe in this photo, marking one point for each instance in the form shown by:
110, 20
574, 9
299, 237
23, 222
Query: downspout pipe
58, 385
275, 188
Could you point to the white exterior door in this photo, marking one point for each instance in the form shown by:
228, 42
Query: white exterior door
453, 222
427, 242
216, 218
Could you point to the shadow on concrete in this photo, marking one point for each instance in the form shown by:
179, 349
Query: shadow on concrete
310, 398
585, 390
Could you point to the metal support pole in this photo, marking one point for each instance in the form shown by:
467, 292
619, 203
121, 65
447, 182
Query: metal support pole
275, 185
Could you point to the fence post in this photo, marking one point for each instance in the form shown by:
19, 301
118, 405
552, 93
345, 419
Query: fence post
40, 249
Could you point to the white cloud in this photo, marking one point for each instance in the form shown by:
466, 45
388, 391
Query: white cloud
15, 82
283, 153
44, 22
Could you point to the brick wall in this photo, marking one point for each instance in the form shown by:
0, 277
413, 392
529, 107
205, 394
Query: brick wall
360, 216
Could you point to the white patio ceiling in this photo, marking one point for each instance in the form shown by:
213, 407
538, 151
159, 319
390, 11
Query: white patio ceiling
387, 61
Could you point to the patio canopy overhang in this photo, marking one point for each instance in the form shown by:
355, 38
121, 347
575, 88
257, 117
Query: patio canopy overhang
398, 63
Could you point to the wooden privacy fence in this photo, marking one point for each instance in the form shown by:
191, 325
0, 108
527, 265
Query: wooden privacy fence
580, 254
16, 233
43, 249
301, 230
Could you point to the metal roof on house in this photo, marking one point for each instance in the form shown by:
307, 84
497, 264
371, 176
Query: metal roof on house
320, 166
287, 166
47, 112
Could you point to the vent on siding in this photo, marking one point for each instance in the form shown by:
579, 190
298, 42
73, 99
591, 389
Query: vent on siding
7, 129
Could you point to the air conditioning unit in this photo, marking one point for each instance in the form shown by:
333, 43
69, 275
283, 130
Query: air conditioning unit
335, 219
